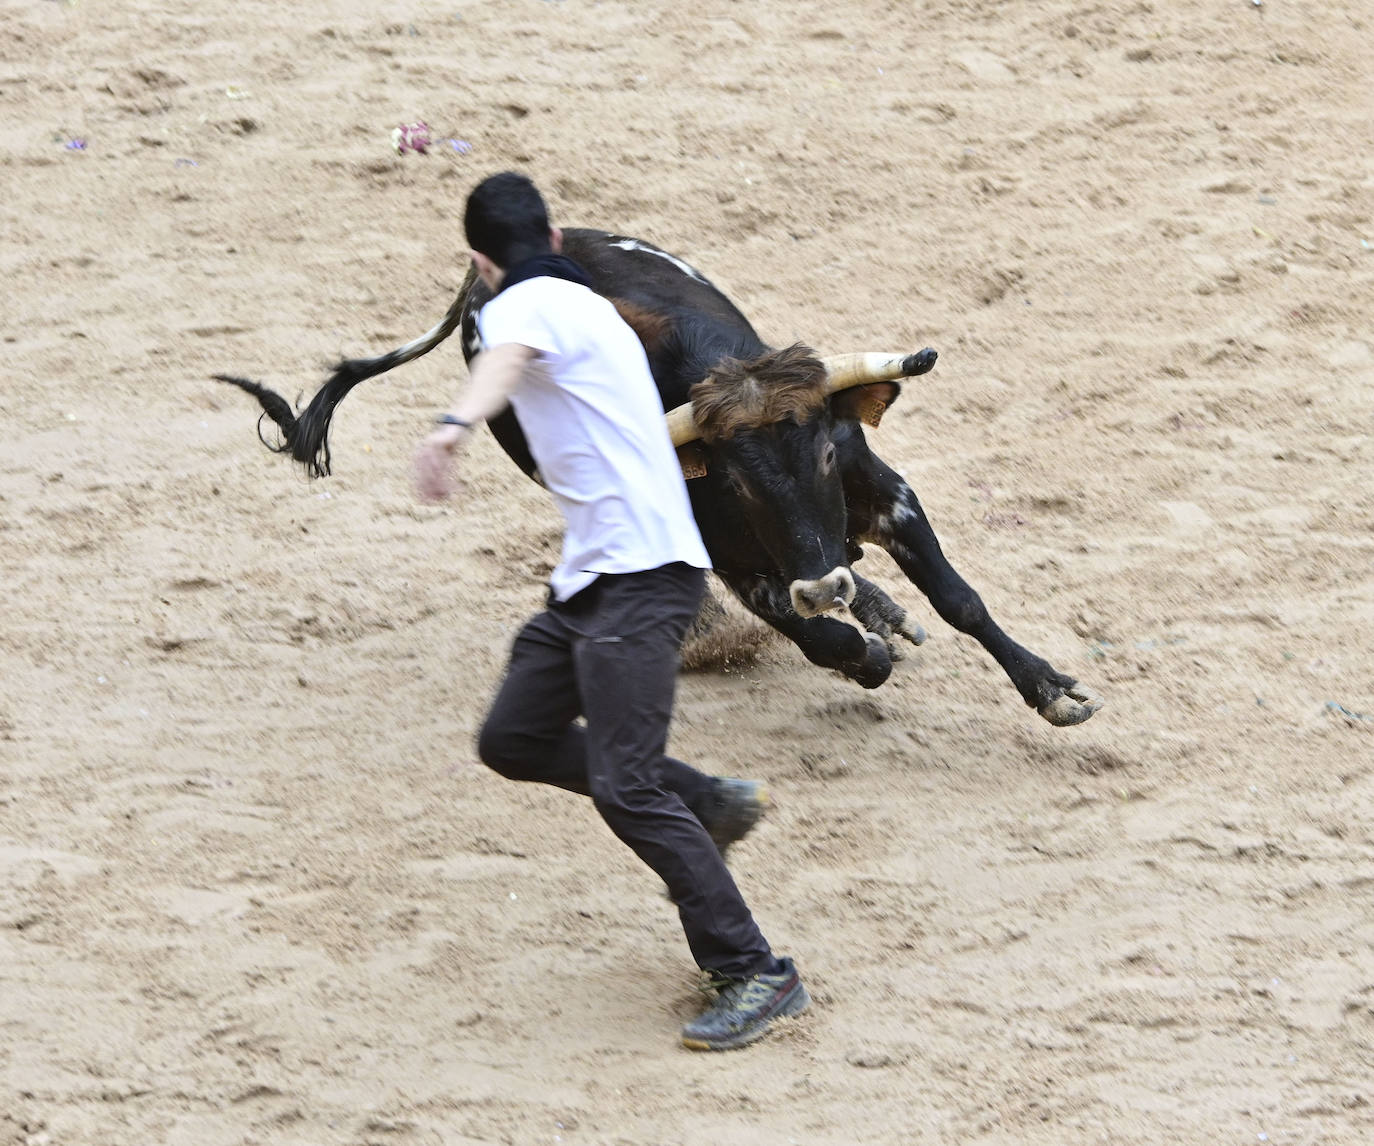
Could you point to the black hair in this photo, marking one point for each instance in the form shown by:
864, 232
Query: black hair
506, 219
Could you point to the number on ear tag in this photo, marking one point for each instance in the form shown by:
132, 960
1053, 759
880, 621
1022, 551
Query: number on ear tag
871, 411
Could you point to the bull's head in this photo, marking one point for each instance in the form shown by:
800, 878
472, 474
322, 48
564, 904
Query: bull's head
768, 426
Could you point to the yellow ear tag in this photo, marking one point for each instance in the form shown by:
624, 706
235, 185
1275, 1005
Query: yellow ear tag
871, 411
692, 458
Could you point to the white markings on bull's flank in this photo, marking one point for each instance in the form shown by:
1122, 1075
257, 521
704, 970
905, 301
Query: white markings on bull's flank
636, 245
475, 342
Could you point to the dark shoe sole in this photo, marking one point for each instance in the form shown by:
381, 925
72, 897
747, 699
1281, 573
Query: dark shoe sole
736, 822
795, 1003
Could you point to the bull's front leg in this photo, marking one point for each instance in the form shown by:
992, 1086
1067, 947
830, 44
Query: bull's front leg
885, 511
825, 639
879, 613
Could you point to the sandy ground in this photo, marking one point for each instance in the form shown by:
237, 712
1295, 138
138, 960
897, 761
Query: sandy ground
254, 887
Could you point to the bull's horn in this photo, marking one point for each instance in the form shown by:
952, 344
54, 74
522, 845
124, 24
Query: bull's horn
682, 427
844, 371
848, 370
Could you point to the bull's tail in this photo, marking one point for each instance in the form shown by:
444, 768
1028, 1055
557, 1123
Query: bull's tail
305, 435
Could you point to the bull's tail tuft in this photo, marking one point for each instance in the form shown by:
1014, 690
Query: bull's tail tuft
274, 406
293, 430
305, 435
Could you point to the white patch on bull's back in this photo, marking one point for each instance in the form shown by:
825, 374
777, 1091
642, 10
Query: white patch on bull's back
636, 245
475, 342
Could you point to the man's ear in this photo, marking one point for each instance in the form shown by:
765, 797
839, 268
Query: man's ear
487, 270
556, 239
865, 403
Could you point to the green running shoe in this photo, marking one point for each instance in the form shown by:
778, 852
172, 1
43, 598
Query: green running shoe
744, 1009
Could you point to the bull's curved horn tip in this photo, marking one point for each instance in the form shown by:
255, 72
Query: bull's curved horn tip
918, 363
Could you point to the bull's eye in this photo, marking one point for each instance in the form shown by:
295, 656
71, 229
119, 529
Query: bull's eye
828, 457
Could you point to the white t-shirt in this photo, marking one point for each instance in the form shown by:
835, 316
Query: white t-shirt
594, 422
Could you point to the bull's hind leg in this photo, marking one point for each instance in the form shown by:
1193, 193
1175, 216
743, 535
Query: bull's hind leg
824, 640
884, 510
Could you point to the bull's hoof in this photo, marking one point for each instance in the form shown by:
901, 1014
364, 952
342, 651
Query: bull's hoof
1073, 706
907, 630
912, 632
876, 666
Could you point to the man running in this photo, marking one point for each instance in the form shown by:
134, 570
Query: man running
628, 584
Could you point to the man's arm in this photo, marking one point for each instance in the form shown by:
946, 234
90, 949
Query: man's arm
496, 373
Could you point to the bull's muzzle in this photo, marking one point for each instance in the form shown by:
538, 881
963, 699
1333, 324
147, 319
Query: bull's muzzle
833, 591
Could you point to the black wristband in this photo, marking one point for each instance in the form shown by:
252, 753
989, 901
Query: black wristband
451, 420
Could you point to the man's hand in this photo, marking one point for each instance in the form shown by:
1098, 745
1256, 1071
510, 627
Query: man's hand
495, 375
434, 463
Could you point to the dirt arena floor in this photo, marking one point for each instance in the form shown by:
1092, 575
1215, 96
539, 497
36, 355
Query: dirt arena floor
255, 888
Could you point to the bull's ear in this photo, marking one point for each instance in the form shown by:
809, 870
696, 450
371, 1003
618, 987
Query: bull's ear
865, 403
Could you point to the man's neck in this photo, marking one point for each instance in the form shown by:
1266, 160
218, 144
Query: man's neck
546, 265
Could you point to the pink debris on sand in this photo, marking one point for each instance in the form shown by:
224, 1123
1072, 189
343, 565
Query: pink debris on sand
411, 137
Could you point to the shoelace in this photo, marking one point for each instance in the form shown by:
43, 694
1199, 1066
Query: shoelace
713, 982
726, 990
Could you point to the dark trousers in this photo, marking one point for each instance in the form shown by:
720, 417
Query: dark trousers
610, 654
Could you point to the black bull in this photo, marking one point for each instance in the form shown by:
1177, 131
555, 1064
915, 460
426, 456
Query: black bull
790, 491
